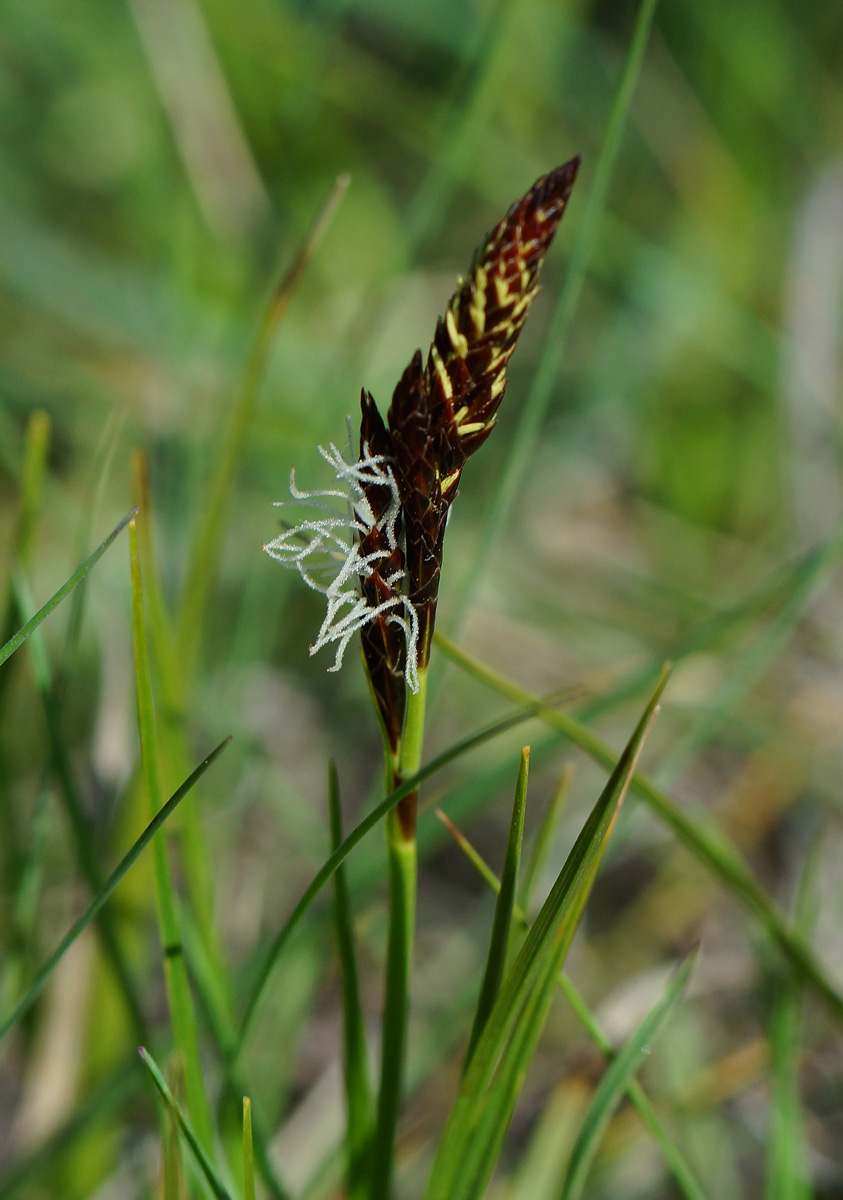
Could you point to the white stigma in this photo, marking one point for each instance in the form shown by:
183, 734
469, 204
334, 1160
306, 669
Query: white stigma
328, 548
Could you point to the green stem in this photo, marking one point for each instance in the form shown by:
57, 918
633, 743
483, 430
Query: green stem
401, 848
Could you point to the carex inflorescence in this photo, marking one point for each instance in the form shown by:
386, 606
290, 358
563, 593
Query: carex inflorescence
401, 487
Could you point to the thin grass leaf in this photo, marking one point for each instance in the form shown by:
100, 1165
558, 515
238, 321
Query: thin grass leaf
533, 411
746, 670
358, 1091
126, 863
710, 632
673, 1155
206, 547
174, 754
705, 842
507, 887
175, 970
248, 1152
475, 1129
203, 1162
615, 1082
83, 839
14, 643
368, 823
32, 484
544, 838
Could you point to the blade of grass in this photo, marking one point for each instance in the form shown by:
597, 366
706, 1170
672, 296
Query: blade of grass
616, 1081
248, 1152
358, 1091
326, 871
174, 753
705, 842
83, 839
481, 1113
534, 409
14, 643
126, 863
207, 1168
673, 1156
175, 969
499, 941
544, 838
206, 549
743, 674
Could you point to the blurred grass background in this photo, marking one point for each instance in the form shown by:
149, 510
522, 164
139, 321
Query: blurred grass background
160, 163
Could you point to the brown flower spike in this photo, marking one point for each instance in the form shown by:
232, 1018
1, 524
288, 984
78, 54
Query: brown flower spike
444, 409
399, 490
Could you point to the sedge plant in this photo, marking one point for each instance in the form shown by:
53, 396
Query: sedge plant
378, 562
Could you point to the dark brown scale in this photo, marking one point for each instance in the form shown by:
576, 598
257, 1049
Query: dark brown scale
384, 643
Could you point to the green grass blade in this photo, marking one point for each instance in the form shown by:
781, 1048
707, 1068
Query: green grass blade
14, 643
673, 1156
358, 1090
83, 839
248, 1152
32, 484
535, 406
326, 871
175, 969
615, 1082
466, 1154
507, 887
746, 670
544, 838
705, 842
126, 863
203, 1161
203, 561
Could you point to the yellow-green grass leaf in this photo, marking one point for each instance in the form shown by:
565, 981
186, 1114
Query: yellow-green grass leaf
203, 1161
673, 1155
615, 1082
544, 838
481, 1113
248, 1152
502, 923
358, 1091
14, 643
179, 995
705, 842
126, 863
326, 871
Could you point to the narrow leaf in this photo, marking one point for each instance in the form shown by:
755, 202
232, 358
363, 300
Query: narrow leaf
125, 864
14, 643
544, 838
467, 1151
368, 823
499, 942
615, 1082
209, 1171
705, 842
179, 995
358, 1092
248, 1152
673, 1155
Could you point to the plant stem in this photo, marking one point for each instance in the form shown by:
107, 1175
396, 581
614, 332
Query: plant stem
401, 848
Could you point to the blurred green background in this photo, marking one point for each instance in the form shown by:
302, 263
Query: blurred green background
160, 163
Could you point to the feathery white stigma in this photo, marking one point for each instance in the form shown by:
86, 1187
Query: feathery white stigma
329, 545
